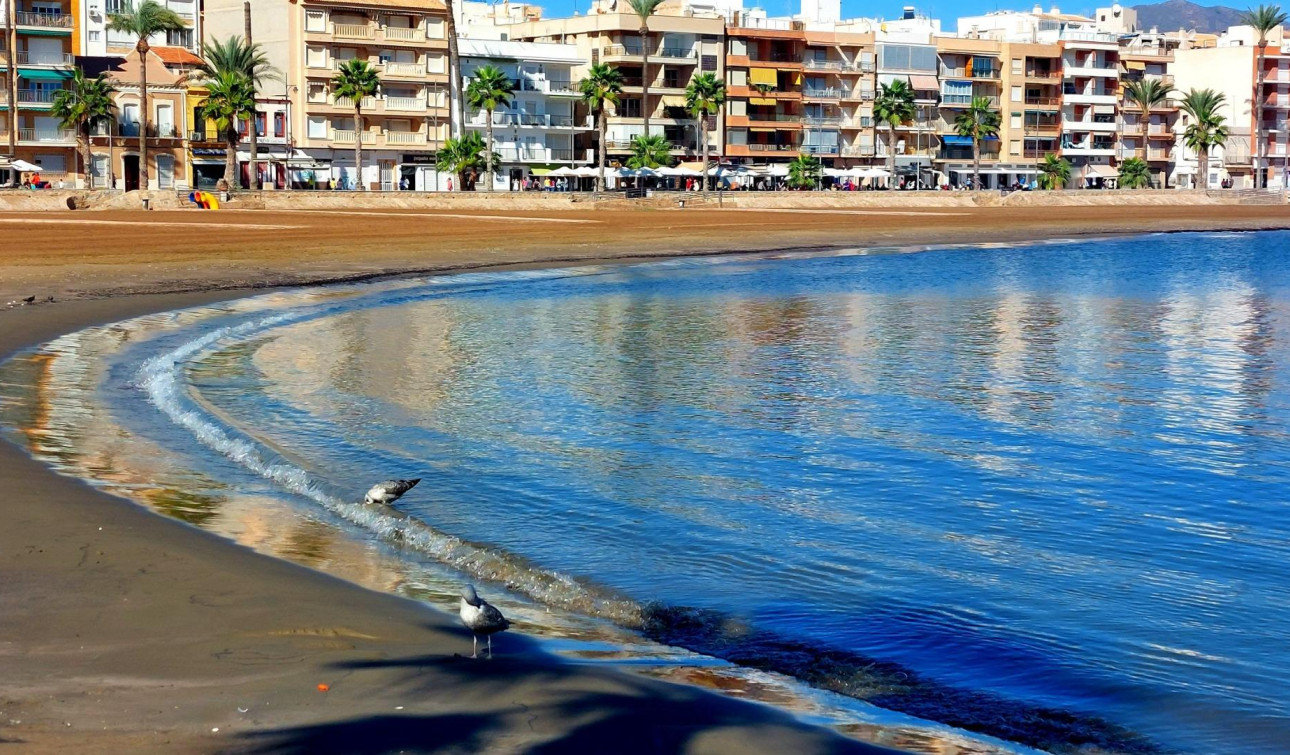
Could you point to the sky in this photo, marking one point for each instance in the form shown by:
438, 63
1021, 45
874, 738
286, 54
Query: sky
946, 10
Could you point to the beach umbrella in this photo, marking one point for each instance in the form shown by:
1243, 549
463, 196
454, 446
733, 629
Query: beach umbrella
563, 171
22, 166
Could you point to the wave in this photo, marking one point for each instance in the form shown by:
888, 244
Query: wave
713, 633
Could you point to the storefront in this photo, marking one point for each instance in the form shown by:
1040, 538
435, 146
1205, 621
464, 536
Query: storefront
208, 167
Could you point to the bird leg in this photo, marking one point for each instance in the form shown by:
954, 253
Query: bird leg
490, 647
474, 653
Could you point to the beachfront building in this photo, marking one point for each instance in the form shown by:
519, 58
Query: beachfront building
540, 128
403, 125
841, 75
115, 145
92, 38
915, 143
41, 62
1147, 56
768, 92
683, 42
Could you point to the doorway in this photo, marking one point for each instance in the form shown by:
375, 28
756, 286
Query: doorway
131, 165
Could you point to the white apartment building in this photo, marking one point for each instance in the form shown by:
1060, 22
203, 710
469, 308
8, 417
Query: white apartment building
95, 40
537, 132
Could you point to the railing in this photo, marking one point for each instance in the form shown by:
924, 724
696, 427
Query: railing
858, 150
1040, 74
743, 21
26, 58
773, 117
822, 120
404, 103
1041, 101
820, 149
825, 65
822, 93
528, 119
415, 34
637, 50
36, 96
772, 147
352, 31
774, 57
551, 86
1033, 153
961, 72
862, 122
200, 136
394, 68
367, 103
554, 154
404, 137
47, 20
349, 136
46, 135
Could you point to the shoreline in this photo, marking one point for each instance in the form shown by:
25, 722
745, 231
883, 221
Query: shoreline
86, 606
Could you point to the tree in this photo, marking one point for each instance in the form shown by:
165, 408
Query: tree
1207, 128
1054, 172
1147, 94
456, 97
893, 106
230, 99
249, 60
488, 90
600, 89
465, 157
978, 122
1135, 174
703, 98
80, 103
1264, 19
804, 172
354, 80
645, 9
142, 22
650, 152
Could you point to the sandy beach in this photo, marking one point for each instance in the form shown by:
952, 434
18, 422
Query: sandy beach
123, 631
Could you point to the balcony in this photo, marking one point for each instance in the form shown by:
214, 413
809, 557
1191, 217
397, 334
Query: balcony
1044, 102
821, 93
822, 120
858, 150
404, 138
26, 58
534, 154
349, 136
532, 120
1043, 74
412, 104
1069, 124
855, 123
820, 149
399, 34
1089, 149
1090, 97
393, 69
964, 100
825, 65
36, 96
662, 54
353, 31
45, 20
1085, 72
131, 130
962, 72
550, 86
47, 135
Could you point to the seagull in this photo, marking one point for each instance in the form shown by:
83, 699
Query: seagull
480, 617
29, 300
389, 491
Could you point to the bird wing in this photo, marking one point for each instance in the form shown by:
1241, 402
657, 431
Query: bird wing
492, 616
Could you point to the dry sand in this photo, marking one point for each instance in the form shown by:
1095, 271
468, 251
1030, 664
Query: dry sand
122, 631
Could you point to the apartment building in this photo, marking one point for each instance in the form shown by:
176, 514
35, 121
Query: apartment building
1228, 67
837, 96
538, 131
680, 48
114, 147
1147, 56
92, 37
41, 62
308, 40
916, 143
766, 91
1090, 103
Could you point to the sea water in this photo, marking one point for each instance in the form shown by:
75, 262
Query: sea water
1036, 491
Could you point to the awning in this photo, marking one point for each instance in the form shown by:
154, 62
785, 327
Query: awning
1135, 65
957, 140
1103, 171
763, 76
1104, 110
760, 101
920, 81
762, 130
40, 74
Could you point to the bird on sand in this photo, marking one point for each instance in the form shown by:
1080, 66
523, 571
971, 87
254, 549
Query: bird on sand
389, 491
29, 300
480, 617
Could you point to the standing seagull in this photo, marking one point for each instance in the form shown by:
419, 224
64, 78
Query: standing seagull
389, 491
480, 617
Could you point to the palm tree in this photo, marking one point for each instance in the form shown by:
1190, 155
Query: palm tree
230, 99
80, 103
142, 22
1147, 94
703, 98
456, 97
650, 152
1264, 19
804, 172
645, 9
488, 90
465, 157
600, 89
354, 80
1207, 129
1135, 174
1054, 172
893, 106
978, 122
234, 54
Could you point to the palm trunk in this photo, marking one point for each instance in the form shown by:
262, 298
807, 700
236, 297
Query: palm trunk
1146, 126
645, 108
358, 147
230, 156
891, 154
11, 24
252, 175
488, 153
143, 114
456, 95
976, 164
85, 156
703, 139
600, 175
1202, 159
1261, 177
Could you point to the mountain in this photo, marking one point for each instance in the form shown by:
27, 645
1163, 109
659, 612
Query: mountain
1172, 15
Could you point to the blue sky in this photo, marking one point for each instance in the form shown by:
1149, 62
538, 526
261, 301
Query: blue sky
946, 10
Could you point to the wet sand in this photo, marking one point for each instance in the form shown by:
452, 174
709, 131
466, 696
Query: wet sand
123, 631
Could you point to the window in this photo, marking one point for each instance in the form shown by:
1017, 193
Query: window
1016, 120
629, 108
708, 63
737, 107
95, 35
1014, 147
241, 128
315, 20
435, 28
316, 57
180, 38
317, 127
1016, 94
279, 123
317, 92
738, 78
260, 121
435, 63
1016, 66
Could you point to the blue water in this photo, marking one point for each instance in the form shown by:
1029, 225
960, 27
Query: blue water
1035, 491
